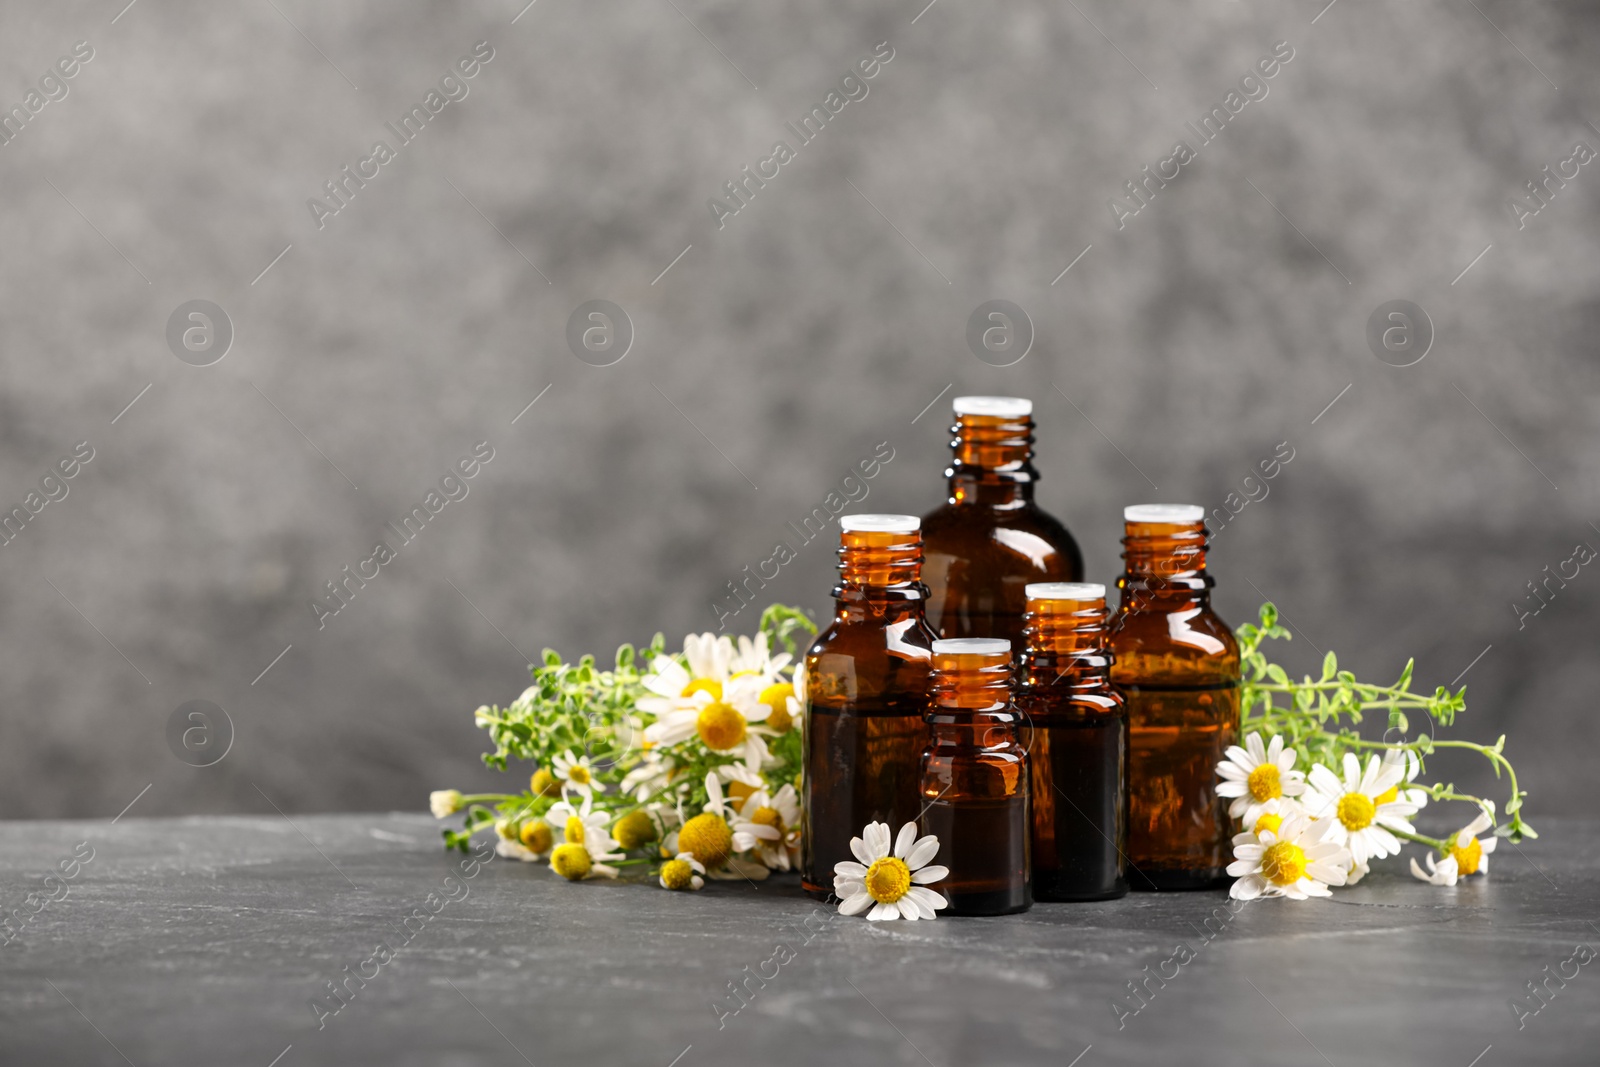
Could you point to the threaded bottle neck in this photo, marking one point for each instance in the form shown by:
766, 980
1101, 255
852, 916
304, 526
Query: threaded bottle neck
1065, 641
992, 460
1163, 556
971, 680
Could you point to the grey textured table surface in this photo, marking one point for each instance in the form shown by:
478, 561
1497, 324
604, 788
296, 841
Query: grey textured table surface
207, 940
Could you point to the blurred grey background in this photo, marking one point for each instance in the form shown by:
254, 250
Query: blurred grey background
371, 354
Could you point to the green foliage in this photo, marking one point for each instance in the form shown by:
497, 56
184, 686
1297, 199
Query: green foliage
1318, 716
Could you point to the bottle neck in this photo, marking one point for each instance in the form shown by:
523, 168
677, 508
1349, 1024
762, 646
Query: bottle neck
880, 576
992, 463
969, 700
1164, 565
1065, 645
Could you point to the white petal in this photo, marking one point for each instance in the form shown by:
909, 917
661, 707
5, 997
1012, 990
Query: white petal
927, 900
856, 904
924, 850
861, 851
849, 869
1232, 772
1255, 747
884, 912
1240, 868
1478, 825
1488, 843
907, 837
1247, 888
877, 837
930, 875
1232, 789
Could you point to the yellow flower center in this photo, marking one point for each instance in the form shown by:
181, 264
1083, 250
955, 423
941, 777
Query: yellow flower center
703, 685
537, 836
634, 829
741, 792
677, 874
573, 831
1283, 864
1469, 857
544, 784
721, 726
1265, 782
1268, 820
766, 816
888, 880
708, 838
571, 861
1356, 811
777, 697
1392, 793
578, 774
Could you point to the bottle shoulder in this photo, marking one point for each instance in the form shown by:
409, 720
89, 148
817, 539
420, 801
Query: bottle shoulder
1027, 537
1189, 644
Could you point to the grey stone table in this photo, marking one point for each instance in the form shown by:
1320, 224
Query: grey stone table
210, 940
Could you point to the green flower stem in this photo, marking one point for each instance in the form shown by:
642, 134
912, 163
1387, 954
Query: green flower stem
1439, 846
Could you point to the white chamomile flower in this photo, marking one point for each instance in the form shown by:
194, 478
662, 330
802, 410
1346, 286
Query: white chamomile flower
724, 724
674, 686
575, 772
1404, 790
1360, 815
1468, 855
683, 871
527, 842
1257, 773
589, 858
1270, 816
753, 658
650, 776
894, 885
580, 825
444, 802
711, 840
774, 821
1298, 861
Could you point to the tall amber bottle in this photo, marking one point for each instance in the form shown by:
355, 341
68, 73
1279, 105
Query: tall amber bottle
1177, 665
865, 693
975, 779
1075, 728
989, 539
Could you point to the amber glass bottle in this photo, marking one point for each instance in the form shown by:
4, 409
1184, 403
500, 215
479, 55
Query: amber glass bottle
989, 539
866, 689
1177, 665
975, 779
1075, 728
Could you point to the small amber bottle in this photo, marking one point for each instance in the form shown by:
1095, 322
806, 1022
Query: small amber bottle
975, 779
989, 539
1075, 728
866, 689
1177, 665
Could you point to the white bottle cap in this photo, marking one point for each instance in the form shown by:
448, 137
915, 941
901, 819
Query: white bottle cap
973, 646
880, 523
1065, 591
1167, 513
1009, 407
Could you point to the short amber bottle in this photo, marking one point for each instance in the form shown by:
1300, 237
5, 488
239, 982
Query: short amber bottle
975, 779
989, 539
866, 688
1075, 728
1177, 665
